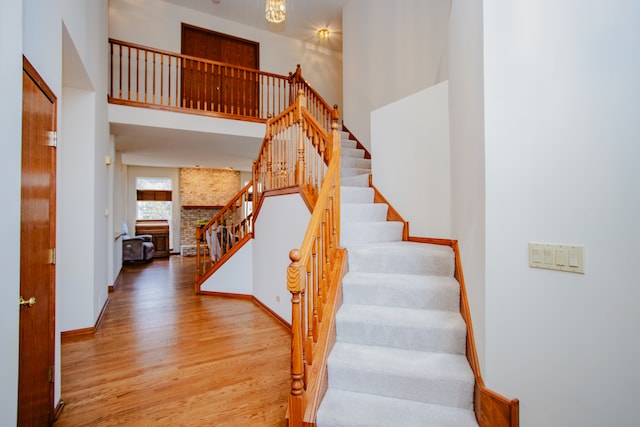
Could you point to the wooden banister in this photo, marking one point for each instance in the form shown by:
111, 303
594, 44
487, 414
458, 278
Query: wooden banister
295, 152
299, 153
314, 278
223, 235
315, 104
294, 156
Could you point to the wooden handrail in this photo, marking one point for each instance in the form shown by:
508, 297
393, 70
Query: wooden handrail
316, 105
313, 278
223, 235
146, 77
294, 153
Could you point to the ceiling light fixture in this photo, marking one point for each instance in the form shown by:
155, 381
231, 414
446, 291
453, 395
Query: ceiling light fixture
323, 34
275, 11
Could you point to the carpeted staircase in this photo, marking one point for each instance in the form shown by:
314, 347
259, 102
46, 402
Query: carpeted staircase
399, 357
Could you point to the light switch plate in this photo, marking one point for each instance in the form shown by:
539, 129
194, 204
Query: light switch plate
559, 257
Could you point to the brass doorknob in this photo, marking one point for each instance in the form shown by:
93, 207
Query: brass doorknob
29, 302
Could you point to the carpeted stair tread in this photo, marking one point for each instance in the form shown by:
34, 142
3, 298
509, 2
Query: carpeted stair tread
401, 290
438, 378
371, 232
353, 162
348, 143
348, 409
354, 171
362, 212
399, 327
357, 180
401, 257
356, 194
356, 153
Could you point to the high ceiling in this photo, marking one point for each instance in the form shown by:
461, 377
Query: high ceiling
147, 146
304, 17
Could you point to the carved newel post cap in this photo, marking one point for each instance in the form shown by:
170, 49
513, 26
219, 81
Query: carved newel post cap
294, 255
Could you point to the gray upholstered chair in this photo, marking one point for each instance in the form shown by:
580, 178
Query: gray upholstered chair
136, 248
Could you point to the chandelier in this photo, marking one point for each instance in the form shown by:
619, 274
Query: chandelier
275, 11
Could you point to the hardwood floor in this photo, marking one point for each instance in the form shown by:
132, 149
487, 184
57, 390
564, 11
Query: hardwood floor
166, 357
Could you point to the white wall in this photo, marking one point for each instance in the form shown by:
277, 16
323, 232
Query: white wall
562, 131
47, 26
391, 50
410, 159
114, 171
76, 241
235, 276
280, 227
134, 172
118, 211
10, 161
157, 24
466, 124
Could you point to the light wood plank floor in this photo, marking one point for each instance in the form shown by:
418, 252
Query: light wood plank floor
166, 357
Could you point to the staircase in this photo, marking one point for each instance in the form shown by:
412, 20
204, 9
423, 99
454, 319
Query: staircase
399, 357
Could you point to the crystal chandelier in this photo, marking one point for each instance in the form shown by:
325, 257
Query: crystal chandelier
275, 11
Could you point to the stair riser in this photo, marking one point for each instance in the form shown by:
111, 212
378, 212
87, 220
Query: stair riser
362, 212
346, 409
442, 340
442, 294
348, 143
352, 153
433, 389
356, 195
350, 162
371, 232
356, 180
345, 172
374, 261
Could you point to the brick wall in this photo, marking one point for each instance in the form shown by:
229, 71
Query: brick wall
202, 193
208, 187
189, 219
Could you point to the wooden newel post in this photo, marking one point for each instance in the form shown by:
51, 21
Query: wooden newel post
294, 79
294, 285
301, 102
334, 140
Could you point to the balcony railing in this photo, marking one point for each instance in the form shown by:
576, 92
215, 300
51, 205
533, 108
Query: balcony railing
146, 77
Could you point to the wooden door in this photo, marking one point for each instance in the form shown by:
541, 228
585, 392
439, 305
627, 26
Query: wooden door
37, 253
214, 87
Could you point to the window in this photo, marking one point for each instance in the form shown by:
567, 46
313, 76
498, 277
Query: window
153, 198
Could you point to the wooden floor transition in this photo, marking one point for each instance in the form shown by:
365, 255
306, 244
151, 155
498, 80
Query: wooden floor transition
166, 357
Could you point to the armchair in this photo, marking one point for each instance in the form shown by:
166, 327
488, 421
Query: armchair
136, 248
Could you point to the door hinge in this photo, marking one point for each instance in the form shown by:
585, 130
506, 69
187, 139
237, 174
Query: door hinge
52, 256
52, 138
52, 374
